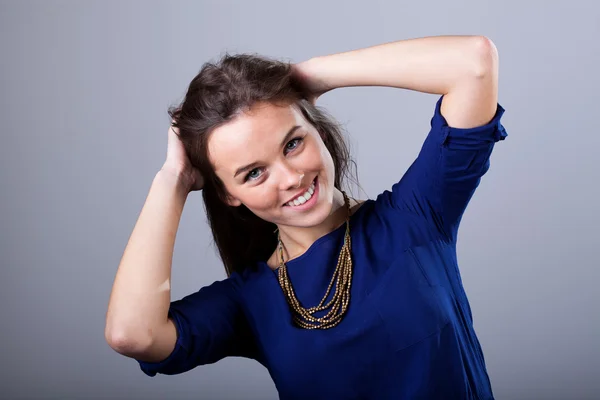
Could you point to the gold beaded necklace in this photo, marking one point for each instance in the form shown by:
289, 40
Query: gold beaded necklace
342, 277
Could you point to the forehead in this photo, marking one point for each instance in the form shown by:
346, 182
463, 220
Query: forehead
251, 136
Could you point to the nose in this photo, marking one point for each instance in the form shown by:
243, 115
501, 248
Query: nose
290, 177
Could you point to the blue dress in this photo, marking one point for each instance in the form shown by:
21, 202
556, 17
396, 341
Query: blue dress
408, 333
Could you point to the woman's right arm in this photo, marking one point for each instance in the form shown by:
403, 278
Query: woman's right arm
137, 323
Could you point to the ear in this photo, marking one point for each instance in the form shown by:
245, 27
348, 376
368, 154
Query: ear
232, 201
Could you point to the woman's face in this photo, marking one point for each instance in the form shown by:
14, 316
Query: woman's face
271, 156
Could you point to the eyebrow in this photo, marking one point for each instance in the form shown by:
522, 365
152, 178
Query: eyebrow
254, 164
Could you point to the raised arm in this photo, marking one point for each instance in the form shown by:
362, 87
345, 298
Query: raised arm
165, 336
136, 320
464, 127
462, 68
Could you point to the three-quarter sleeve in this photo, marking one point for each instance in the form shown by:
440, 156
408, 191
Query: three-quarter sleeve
210, 326
442, 180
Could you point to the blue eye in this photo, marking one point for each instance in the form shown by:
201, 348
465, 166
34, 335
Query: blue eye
292, 144
253, 175
256, 173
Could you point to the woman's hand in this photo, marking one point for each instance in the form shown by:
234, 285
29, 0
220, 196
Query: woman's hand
305, 75
178, 163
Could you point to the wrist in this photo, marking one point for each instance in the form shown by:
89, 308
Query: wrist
174, 179
316, 72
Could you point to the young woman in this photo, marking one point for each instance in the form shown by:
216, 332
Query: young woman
337, 298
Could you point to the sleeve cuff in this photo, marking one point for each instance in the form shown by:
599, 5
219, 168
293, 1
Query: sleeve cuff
177, 356
469, 138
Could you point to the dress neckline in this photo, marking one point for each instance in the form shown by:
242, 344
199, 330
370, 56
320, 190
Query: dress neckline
323, 239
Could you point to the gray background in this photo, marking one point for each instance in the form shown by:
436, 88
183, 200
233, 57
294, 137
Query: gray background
85, 87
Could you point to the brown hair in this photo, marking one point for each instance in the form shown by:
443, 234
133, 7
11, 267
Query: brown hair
216, 95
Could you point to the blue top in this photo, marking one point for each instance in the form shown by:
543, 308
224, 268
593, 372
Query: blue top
408, 332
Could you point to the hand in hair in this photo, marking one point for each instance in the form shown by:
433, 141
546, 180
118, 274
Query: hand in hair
178, 163
305, 76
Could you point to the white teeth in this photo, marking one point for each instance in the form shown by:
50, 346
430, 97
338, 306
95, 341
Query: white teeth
304, 197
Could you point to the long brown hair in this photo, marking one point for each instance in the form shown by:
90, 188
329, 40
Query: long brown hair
219, 93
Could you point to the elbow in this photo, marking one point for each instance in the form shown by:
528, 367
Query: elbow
124, 342
485, 56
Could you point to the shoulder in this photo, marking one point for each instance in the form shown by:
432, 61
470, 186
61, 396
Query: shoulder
355, 205
376, 215
244, 282
233, 285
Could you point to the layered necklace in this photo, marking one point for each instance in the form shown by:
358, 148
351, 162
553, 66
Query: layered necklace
342, 279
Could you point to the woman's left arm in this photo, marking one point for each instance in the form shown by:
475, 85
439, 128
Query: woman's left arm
464, 128
462, 68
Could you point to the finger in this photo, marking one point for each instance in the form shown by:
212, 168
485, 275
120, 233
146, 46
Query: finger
173, 128
172, 134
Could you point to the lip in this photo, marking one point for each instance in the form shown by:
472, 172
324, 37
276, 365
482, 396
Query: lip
310, 202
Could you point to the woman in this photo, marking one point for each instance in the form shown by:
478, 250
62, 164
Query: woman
337, 298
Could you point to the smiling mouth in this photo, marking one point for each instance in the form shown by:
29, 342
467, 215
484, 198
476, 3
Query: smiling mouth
304, 197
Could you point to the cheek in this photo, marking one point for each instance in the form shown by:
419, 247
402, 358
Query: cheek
327, 161
255, 198
315, 157
260, 198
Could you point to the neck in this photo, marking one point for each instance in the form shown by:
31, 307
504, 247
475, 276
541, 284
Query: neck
297, 240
